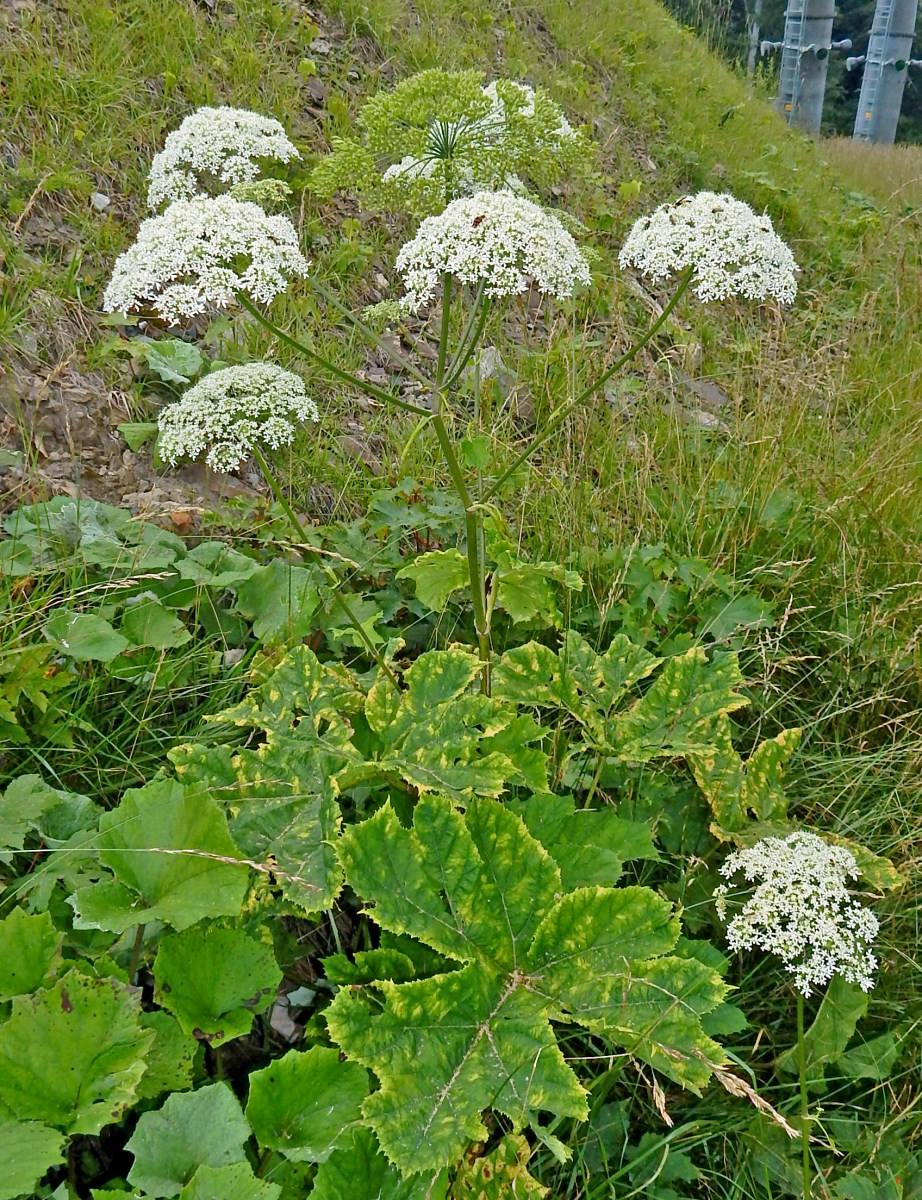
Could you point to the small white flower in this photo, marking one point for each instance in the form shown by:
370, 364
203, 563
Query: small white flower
224, 145
199, 253
496, 238
802, 910
225, 414
734, 252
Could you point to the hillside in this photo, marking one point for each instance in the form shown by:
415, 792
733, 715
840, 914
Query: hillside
745, 491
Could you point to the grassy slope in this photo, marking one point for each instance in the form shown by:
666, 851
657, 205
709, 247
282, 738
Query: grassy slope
814, 495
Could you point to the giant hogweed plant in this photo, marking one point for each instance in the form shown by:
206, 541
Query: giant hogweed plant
446, 803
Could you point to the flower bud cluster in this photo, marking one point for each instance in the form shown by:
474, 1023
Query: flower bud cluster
732, 250
228, 412
496, 238
198, 254
801, 910
219, 145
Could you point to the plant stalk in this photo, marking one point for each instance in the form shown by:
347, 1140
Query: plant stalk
557, 418
472, 524
804, 1099
363, 385
332, 577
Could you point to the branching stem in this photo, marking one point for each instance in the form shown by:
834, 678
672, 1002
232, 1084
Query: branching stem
557, 417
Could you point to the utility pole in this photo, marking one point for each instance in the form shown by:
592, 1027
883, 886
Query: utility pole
805, 61
886, 66
754, 30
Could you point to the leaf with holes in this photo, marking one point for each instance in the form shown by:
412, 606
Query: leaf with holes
214, 981
72, 1056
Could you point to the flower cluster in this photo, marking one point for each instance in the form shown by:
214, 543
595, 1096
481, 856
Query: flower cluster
224, 145
228, 412
802, 910
495, 238
199, 254
732, 250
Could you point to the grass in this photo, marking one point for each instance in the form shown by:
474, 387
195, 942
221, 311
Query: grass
812, 497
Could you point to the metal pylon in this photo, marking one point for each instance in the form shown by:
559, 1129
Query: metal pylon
885, 67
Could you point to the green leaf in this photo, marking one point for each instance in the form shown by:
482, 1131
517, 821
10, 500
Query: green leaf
170, 1058
136, 433
214, 981
843, 1006
28, 946
174, 360
589, 846
84, 637
27, 1150
234, 1182
22, 806
735, 789
217, 565
361, 1172
874, 1059
307, 1103
147, 623
280, 600
479, 889
723, 616
191, 1130
73, 1055
173, 861
282, 802
677, 713
437, 575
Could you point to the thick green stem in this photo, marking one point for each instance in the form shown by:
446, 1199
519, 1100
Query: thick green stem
804, 1099
476, 566
363, 385
557, 417
332, 577
136, 954
447, 282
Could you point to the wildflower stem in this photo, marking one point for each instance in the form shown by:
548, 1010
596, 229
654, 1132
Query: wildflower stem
475, 563
452, 370
447, 281
369, 333
332, 577
804, 1100
363, 385
557, 418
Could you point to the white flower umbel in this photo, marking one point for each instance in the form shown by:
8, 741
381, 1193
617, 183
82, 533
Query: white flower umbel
199, 253
227, 413
495, 238
733, 250
215, 146
802, 910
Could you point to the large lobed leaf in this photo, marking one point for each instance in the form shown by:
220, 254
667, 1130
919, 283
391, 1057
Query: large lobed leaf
480, 890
